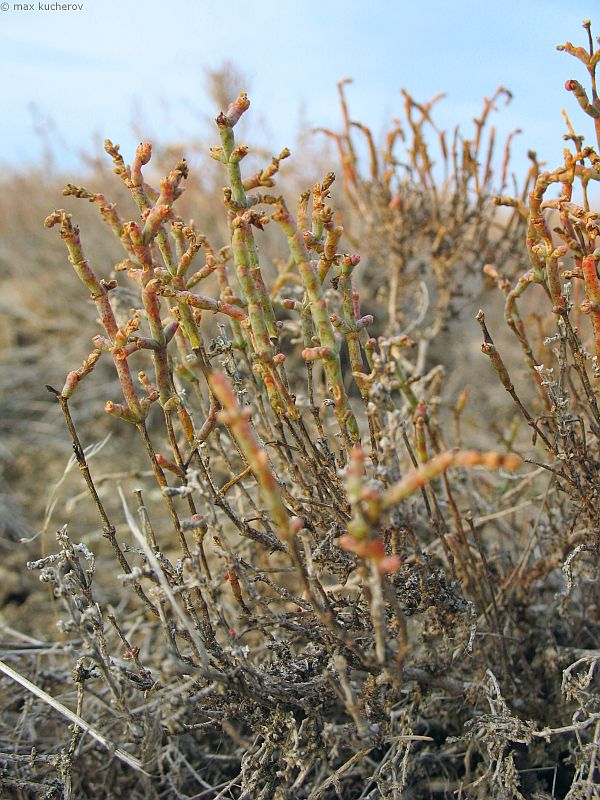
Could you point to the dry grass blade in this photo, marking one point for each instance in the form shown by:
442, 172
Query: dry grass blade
131, 761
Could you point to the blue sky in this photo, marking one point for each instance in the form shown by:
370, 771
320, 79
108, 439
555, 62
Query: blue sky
92, 71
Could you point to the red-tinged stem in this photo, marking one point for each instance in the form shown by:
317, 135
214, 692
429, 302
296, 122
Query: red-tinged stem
279, 396
318, 307
232, 156
421, 476
589, 267
590, 108
236, 419
70, 235
489, 349
185, 299
74, 377
554, 286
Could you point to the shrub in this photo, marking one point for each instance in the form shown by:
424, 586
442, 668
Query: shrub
336, 598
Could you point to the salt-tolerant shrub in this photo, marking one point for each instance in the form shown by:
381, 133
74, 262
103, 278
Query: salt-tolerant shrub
337, 597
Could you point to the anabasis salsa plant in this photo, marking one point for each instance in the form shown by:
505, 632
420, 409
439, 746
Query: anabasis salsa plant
339, 598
